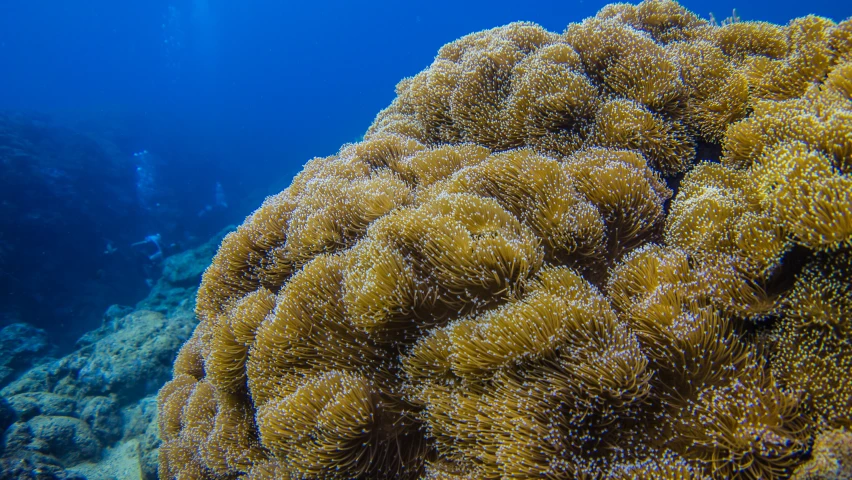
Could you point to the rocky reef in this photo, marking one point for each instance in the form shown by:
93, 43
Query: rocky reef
22, 346
622, 251
92, 414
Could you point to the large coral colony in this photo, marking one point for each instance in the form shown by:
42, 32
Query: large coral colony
623, 251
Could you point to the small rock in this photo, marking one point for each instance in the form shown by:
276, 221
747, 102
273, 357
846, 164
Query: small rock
7, 417
103, 416
29, 405
17, 437
37, 379
139, 416
22, 346
34, 466
111, 317
151, 441
70, 440
150, 463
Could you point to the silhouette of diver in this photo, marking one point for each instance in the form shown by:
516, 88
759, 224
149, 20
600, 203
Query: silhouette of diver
154, 240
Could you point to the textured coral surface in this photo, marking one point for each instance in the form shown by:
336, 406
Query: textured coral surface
622, 251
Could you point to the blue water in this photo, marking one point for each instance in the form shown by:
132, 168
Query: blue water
227, 98
268, 82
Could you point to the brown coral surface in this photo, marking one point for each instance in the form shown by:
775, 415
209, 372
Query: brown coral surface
622, 251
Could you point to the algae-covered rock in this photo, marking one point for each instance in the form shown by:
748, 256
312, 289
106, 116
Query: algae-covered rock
69, 440
78, 417
137, 417
21, 347
29, 405
185, 268
34, 466
149, 450
132, 362
112, 315
129, 363
7, 417
140, 429
104, 417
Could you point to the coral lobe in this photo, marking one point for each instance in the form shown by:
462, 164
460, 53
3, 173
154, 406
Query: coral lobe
507, 278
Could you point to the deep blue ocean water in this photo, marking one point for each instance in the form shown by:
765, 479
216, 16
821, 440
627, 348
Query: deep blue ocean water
221, 101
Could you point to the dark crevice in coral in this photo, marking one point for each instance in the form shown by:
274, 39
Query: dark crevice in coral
782, 279
778, 284
673, 182
705, 152
708, 152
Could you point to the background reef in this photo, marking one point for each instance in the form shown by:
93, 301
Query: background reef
74, 201
63, 193
622, 251
91, 414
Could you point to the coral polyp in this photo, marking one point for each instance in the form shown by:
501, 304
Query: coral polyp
622, 251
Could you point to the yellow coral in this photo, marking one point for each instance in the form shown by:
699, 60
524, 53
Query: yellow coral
714, 207
552, 101
520, 272
537, 191
807, 60
806, 196
670, 306
624, 124
718, 218
336, 423
747, 429
664, 465
545, 355
746, 39
665, 20
628, 194
718, 90
798, 152
831, 458
813, 354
